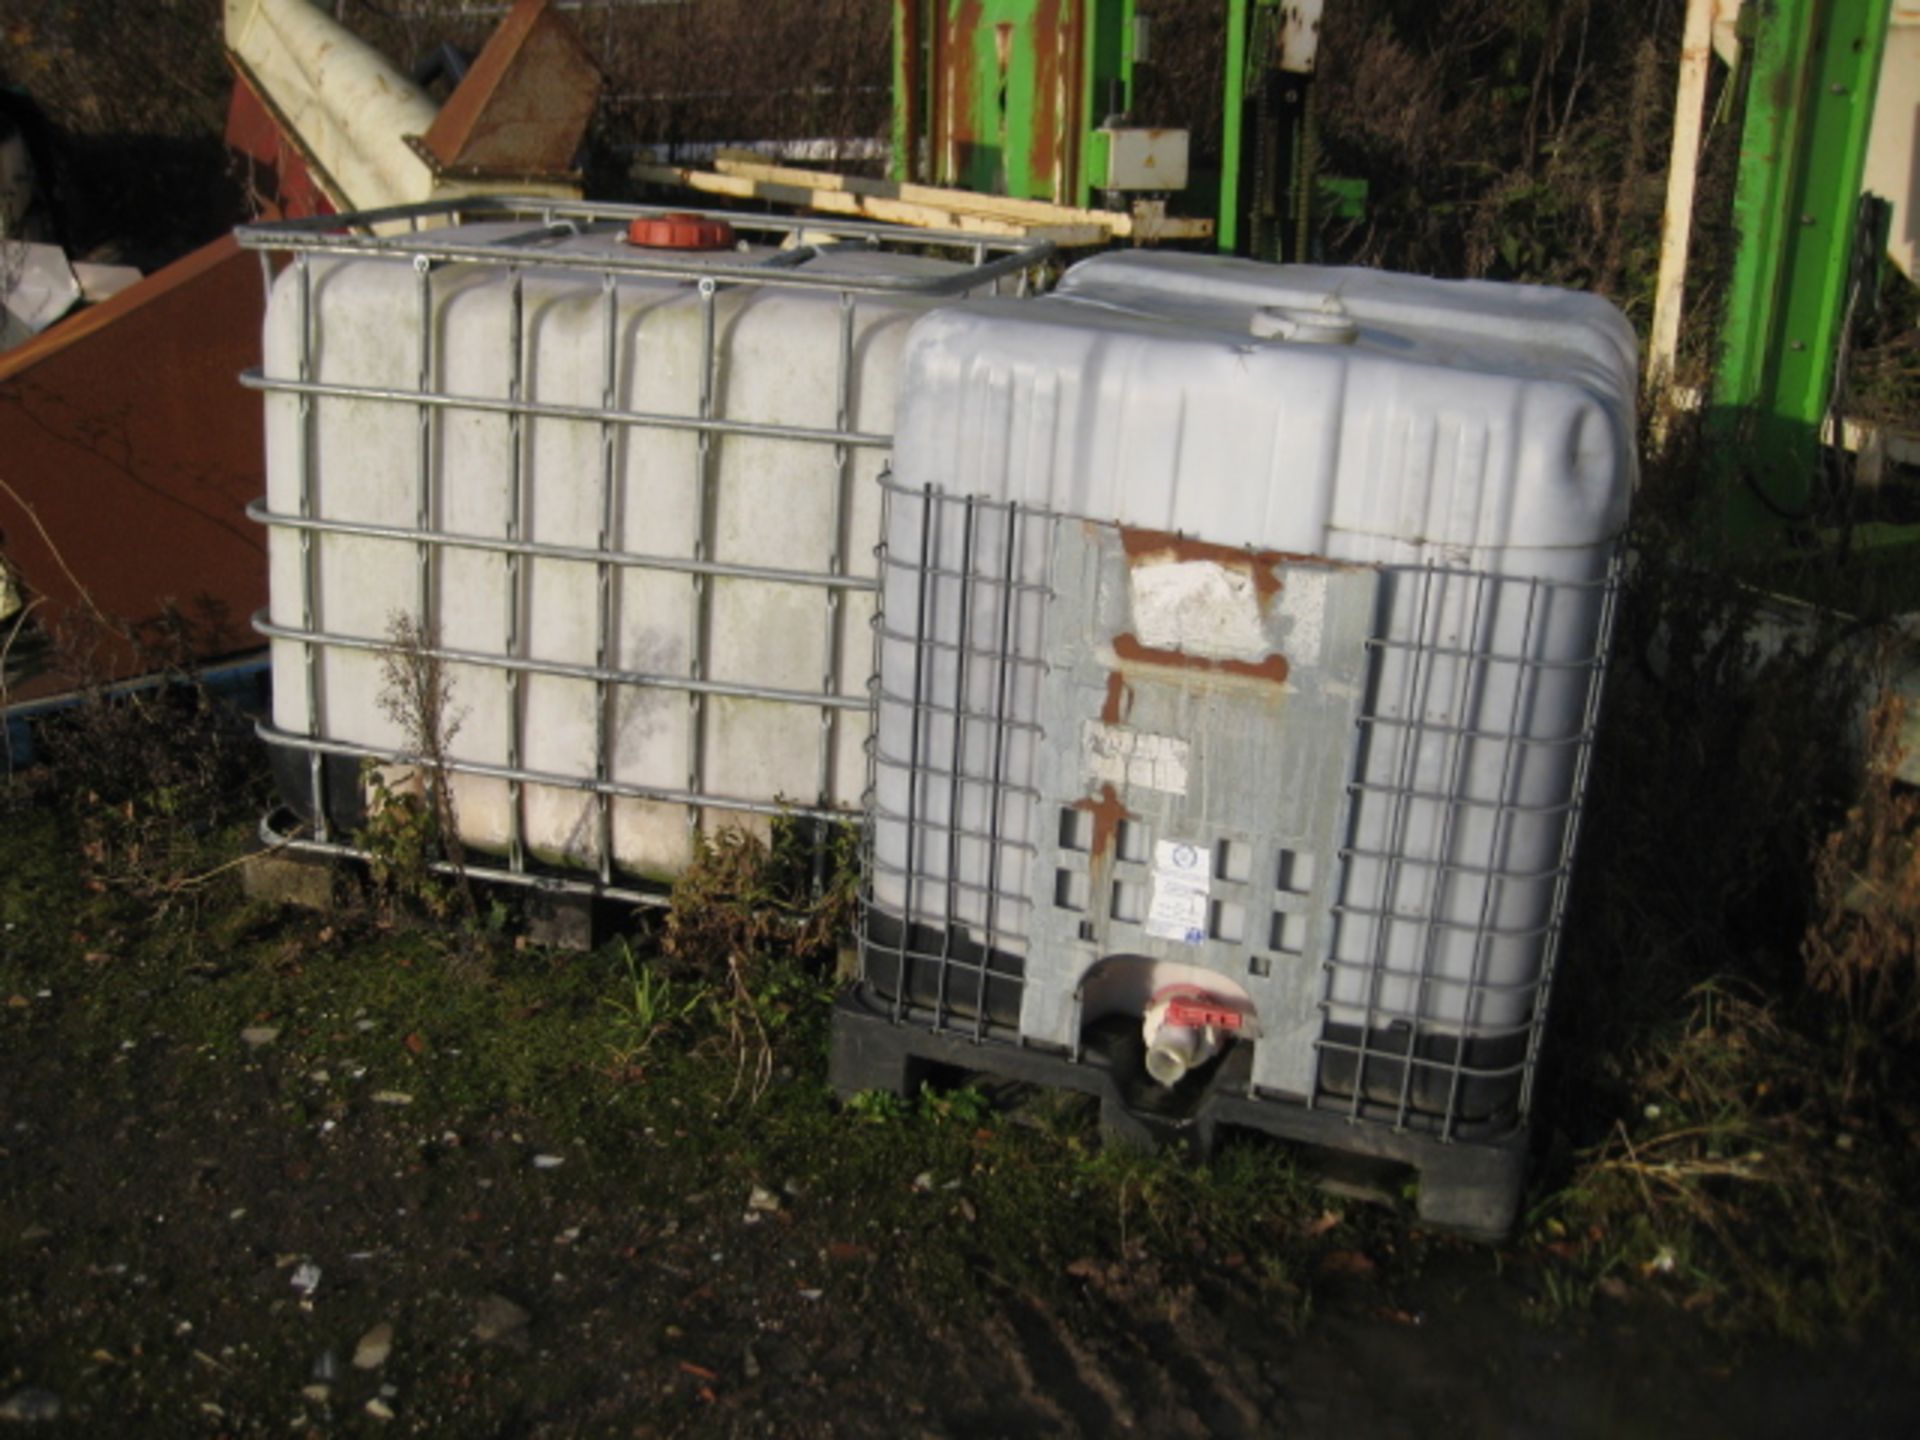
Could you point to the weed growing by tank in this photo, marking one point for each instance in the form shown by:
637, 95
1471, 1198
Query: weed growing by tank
412, 830
759, 922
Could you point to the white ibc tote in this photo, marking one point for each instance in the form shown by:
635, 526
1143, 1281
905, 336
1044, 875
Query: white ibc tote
616, 473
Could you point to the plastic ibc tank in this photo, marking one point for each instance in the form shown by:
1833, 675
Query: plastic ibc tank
1242, 630
617, 474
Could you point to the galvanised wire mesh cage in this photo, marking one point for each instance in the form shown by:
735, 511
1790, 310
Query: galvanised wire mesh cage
623, 498
1386, 827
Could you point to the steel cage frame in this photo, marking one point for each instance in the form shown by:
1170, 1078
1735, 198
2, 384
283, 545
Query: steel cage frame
943, 974
991, 265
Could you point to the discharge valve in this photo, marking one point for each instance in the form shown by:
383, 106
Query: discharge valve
1184, 1027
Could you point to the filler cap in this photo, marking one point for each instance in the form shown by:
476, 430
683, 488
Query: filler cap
680, 231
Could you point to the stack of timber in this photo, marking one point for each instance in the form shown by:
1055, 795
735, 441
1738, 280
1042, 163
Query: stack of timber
741, 175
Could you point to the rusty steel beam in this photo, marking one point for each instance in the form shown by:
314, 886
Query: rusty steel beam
524, 107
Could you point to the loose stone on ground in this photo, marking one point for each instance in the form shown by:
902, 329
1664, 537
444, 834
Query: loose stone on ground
498, 1318
374, 1347
30, 1405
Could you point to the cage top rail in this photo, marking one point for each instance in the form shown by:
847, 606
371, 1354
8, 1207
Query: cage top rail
985, 258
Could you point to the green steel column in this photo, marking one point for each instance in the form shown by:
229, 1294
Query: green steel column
1108, 57
988, 52
909, 87
1233, 107
1814, 67
1013, 89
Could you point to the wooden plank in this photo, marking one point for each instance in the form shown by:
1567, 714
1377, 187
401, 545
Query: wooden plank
1036, 212
833, 202
1683, 171
867, 207
1043, 212
1147, 221
1898, 443
1151, 222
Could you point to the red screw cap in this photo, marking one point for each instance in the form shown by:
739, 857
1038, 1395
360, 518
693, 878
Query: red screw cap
680, 232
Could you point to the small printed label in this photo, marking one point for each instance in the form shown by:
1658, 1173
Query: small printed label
1134, 758
1177, 913
1182, 876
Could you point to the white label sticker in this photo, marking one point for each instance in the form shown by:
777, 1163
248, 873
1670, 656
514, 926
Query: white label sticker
1178, 907
1134, 758
1198, 608
1188, 864
1177, 913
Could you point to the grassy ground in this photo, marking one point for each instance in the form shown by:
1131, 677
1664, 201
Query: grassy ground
560, 1181
203, 1094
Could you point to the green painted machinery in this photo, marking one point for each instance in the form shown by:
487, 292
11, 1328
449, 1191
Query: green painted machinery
1807, 252
1011, 97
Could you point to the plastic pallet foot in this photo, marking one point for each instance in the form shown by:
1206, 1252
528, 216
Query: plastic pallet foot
278, 878
561, 920
870, 1052
1473, 1190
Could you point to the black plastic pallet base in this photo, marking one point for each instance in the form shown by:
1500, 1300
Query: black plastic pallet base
1470, 1188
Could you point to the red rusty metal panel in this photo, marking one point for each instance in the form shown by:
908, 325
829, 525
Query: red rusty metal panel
282, 182
524, 107
127, 432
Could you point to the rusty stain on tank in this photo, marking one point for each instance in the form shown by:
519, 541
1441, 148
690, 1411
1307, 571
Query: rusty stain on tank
1107, 811
1272, 670
1162, 547
1262, 567
1119, 702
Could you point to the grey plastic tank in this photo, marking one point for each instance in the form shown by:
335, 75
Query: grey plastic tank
1241, 636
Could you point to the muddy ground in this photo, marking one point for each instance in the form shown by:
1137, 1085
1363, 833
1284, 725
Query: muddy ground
237, 1139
